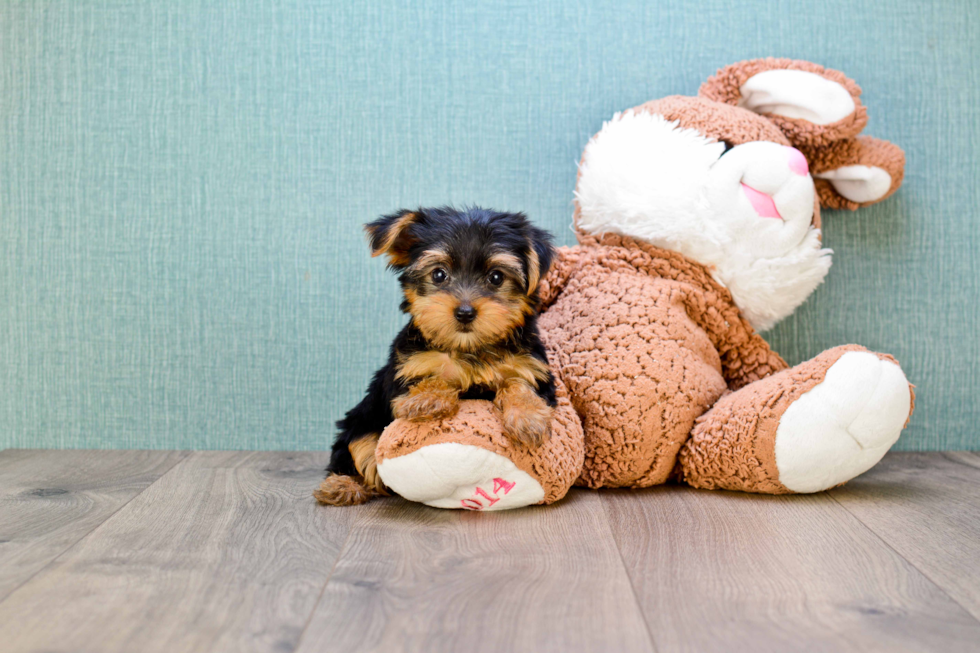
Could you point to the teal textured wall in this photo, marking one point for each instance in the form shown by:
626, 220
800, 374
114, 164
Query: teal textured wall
182, 186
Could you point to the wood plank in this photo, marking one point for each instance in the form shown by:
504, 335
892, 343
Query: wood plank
722, 571
49, 500
926, 506
546, 578
227, 552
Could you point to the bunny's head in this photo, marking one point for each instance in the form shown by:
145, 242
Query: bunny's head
735, 177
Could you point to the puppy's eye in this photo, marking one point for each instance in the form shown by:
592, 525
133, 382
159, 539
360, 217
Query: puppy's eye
439, 275
496, 278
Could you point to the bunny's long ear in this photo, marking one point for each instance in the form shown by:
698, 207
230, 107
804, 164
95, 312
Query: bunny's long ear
811, 104
855, 172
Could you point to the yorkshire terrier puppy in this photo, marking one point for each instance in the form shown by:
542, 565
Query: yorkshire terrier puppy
470, 282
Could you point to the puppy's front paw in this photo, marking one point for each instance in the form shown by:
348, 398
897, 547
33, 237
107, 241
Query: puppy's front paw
423, 407
530, 429
428, 399
526, 417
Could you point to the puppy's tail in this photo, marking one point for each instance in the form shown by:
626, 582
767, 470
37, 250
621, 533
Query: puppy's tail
343, 490
340, 490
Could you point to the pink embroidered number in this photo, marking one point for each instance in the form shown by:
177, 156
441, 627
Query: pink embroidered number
501, 483
474, 503
492, 499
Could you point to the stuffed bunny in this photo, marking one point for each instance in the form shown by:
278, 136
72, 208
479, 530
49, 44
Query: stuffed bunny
698, 220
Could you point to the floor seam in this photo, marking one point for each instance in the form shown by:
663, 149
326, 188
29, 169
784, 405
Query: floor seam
910, 563
319, 598
622, 564
71, 546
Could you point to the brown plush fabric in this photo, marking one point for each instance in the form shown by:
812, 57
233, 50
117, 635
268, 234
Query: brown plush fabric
725, 84
716, 120
733, 444
863, 150
658, 377
645, 341
826, 147
555, 464
658, 374
642, 341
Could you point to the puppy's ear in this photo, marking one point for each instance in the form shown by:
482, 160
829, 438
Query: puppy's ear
392, 235
540, 254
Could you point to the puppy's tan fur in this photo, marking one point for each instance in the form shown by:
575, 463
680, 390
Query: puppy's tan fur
469, 281
490, 368
363, 453
340, 490
526, 416
430, 398
433, 314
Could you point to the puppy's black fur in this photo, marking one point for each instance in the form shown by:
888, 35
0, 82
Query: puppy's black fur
470, 284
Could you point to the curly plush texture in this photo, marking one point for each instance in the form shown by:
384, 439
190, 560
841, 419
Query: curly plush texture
720, 121
725, 87
660, 375
865, 150
732, 445
717, 121
555, 465
646, 341
642, 341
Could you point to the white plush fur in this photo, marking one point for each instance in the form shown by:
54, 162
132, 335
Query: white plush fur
859, 183
454, 475
796, 94
844, 425
645, 177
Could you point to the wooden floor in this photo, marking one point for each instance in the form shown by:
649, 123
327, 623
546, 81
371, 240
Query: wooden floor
227, 551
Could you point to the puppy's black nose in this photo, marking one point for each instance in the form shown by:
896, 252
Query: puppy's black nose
465, 314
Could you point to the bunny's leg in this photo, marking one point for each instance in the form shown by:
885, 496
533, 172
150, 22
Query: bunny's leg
805, 429
468, 462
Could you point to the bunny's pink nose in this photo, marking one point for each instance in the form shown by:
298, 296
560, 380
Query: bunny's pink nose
797, 162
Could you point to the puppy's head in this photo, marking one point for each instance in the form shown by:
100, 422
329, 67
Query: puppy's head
470, 277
